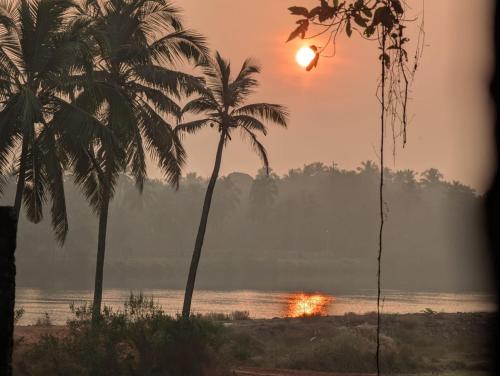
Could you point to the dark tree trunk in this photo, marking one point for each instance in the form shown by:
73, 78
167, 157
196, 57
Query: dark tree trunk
20, 180
188, 296
8, 229
493, 199
101, 251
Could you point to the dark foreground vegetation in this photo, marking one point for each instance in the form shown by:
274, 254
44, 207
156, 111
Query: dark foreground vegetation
142, 340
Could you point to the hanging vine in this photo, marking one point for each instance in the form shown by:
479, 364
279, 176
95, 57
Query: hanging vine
386, 22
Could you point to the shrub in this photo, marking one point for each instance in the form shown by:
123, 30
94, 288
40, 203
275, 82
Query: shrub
233, 316
351, 351
214, 316
138, 340
242, 348
18, 314
240, 315
44, 320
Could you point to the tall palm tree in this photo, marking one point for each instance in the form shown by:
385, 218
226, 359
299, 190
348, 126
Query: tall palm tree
133, 93
40, 47
222, 102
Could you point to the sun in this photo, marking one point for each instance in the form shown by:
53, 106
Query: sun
304, 56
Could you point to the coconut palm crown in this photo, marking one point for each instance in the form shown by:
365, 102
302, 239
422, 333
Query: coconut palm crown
40, 48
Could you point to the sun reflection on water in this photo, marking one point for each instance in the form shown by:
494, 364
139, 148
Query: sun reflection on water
303, 304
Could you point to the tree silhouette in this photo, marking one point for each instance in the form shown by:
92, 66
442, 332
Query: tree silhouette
222, 102
40, 46
133, 93
431, 177
262, 195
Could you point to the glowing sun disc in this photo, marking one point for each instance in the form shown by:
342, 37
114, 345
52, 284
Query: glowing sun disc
304, 56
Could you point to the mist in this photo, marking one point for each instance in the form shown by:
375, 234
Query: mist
314, 228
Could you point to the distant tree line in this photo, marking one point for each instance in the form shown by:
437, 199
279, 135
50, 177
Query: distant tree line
312, 228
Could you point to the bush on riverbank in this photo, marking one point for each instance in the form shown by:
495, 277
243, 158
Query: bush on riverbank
411, 343
141, 340
138, 340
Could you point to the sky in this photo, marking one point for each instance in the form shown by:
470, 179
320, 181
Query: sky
334, 111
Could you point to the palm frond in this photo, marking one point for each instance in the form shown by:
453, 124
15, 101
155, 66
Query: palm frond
158, 15
199, 105
162, 143
179, 46
9, 130
34, 196
250, 123
173, 82
137, 161
257, 147
245, 83
160, 100
72, 120
266, 111
193, 126
53, 166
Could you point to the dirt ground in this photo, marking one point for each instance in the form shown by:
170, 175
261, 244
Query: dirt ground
453, 343
275, 372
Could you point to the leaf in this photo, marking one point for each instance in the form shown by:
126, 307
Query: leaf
326, 11
294, 34
359, 4
348, 28
385, 17
299, 11
314, 12
360, 20
300, 30
387, 60
398, 8
313, 63
370, 30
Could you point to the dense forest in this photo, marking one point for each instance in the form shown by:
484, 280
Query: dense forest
313, 228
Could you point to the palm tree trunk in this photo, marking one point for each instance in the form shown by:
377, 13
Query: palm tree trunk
101, 250
188, 296
21, 179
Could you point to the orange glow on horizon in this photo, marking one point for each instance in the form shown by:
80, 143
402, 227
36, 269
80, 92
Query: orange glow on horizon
303, 305
304, 56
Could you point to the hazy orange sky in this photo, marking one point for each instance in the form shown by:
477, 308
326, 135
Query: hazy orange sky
334, 112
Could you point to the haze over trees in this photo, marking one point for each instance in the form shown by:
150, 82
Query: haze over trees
311, 229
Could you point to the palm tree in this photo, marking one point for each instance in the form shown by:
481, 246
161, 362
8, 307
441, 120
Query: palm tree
431, 177
133, 93
40, 46
222, 102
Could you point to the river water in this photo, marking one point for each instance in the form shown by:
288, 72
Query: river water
260, 304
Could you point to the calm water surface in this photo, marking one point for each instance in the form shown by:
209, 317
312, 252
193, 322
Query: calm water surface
260, 304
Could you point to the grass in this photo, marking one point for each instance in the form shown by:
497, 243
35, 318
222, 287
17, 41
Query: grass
423, 343
233, 316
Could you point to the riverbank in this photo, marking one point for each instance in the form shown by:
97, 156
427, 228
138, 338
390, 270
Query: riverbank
411, 343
